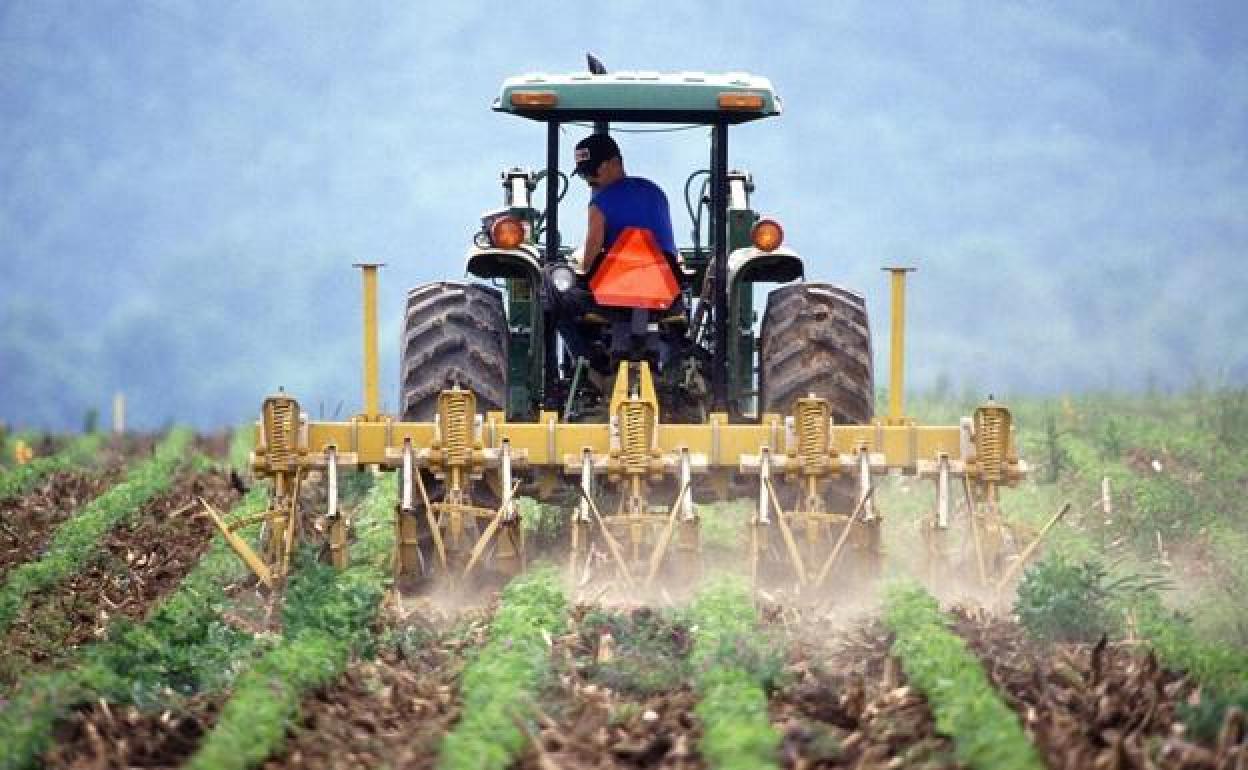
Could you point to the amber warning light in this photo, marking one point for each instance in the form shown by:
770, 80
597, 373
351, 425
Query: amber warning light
767, 235
507, 232
732, 100
534, 99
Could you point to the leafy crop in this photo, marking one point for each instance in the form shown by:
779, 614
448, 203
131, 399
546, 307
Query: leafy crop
184, 645
724, 525
731, 666
266, 700
20, 480
1061, 600
543, 521
78, 539
967, 708
498, 681
326, 617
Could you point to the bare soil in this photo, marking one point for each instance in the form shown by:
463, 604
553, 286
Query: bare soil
1095, 706
99, 736
848, 705
607, 708
391, 712
27, 522
136, 566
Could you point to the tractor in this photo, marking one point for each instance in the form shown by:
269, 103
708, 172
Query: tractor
684, 398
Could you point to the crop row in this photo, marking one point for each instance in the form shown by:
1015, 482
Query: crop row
18, 481
78, 538
183, 646
986, 733
327, 617
730, 664
499, 682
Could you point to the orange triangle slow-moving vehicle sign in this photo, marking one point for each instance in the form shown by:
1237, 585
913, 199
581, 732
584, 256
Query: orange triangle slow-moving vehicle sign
635, 273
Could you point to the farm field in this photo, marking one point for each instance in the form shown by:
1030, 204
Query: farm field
133, 637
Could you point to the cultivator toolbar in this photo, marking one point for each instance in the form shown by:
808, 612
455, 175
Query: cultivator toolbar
459, 475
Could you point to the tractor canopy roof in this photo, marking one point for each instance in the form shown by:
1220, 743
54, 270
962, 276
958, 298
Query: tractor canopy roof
643, 97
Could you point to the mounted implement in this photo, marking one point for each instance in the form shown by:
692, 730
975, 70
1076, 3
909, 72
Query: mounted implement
674, 396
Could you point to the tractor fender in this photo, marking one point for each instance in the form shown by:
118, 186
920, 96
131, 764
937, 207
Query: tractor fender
520, 262
750, 264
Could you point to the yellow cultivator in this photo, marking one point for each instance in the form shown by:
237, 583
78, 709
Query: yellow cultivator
653, 472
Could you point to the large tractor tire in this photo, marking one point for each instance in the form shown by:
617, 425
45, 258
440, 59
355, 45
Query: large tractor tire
453, 334
816, 340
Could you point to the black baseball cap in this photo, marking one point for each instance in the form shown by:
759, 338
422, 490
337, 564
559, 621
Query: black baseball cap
593, 150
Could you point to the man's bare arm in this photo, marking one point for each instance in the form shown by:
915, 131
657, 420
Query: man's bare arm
595, 232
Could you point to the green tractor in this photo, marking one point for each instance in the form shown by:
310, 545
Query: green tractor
498, 336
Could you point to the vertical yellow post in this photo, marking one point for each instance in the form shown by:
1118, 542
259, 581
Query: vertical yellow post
372, 408
897, 345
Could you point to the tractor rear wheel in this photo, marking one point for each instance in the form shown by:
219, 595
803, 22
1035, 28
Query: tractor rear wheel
816, 340
453, 334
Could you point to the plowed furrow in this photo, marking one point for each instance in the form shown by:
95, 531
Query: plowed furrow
848, 706
133, 569
620, 699
1088, 706
101, 736
391, 712
27, 523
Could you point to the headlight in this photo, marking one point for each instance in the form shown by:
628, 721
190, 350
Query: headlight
562, 278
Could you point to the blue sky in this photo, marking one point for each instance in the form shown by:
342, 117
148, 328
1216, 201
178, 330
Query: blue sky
183, 186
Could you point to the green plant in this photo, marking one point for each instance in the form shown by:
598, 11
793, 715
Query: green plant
238, 455
967, 708
498, 681
1221, 669
1228, 417
1053, 449
623, 713
731, 665
724, 525
650, 650
327, 617
266, 699
541, 520
1111, 439
1061, 600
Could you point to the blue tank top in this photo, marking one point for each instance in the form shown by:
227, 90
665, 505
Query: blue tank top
635, 202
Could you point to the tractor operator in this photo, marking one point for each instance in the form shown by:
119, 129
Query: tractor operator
618, 201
